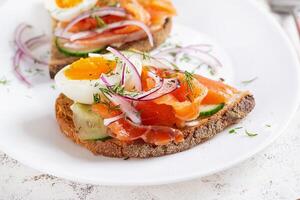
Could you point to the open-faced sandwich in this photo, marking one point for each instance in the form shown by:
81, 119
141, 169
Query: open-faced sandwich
126, 104
84, 26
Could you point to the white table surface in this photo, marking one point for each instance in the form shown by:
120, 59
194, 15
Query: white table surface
271, 174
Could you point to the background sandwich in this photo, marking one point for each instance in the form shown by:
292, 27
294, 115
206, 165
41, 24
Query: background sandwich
87, 26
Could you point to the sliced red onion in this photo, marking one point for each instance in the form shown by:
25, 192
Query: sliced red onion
136, 75
123, 77
108, 121
199, 54
168, 86
16, 65
58, 32
165, 66
31, 43
22, 46
126, 107
201, 47
195, 47
88, 34
104, 79
96, 12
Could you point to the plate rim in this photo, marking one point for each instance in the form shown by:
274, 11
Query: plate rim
195, 175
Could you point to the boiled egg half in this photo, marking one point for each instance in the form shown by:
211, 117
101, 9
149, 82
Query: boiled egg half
66, 10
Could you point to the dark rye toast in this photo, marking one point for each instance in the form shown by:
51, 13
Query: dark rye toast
59, 60
235, 110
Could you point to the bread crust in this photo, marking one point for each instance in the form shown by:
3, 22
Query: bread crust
232, 113
59, 60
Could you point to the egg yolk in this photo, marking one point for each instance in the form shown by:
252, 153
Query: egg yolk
89, 68
67, 3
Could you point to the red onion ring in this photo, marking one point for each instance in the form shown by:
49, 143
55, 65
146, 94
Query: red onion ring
163, 87
105, 81
202, 54
22, 46
16, 64
108, 121
200, 47
31, 43
167, 86
123, 74
88, 34
136, 75
126, 107
97, 12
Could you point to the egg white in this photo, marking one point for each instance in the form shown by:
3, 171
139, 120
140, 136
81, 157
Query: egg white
82, 91
67, 14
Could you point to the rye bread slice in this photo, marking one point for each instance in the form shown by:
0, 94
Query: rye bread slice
59, 60
240, 105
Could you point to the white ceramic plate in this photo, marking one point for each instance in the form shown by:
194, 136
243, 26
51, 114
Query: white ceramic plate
257, 47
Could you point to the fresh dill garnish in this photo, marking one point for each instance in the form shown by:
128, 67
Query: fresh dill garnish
53, 87
174, 65
233, 131
108, 104
189, 78
100, 22
249, 81
97, 98
268, 125
250, 134
4, 81
105, 91
117, 59
35, 71
185, 58
211, 70
173, 54
118, 89
145, 55
96, 84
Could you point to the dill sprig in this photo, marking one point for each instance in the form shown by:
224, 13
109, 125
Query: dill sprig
4, 81
108, 104
233, 131
189, 78
97, 98
249, 81
250, 134
100, 22
118, 89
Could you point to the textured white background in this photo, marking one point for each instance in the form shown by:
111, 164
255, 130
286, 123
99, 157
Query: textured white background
272, 174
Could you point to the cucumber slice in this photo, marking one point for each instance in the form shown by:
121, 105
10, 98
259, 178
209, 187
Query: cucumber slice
83, 52
209, 110
88, 124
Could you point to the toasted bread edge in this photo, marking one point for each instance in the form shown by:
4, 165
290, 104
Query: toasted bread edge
208, 128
